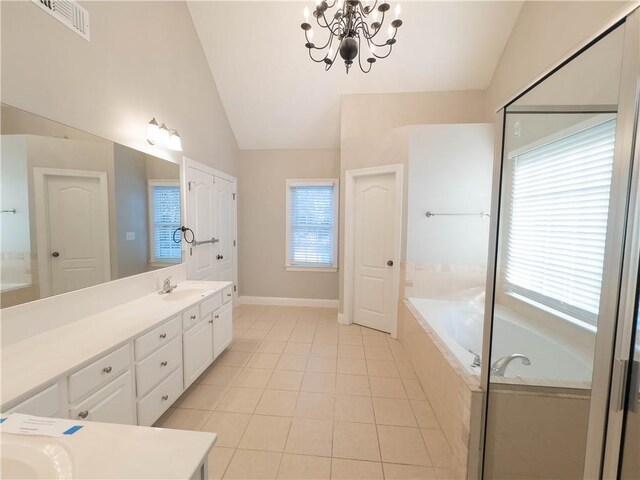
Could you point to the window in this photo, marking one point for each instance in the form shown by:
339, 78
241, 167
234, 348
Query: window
560, 200
164, 219
312, 216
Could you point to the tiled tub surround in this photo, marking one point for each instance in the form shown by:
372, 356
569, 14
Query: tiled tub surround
451, 388
299, 396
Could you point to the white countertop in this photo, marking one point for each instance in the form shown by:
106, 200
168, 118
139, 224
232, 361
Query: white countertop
33, 363
106, 450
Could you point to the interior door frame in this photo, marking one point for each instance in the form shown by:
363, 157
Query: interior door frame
351, 177
40, 176
189, 163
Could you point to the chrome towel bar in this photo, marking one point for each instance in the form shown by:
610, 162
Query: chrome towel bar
430, 214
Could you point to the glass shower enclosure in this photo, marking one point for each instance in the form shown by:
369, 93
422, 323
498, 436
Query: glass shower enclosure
561, 313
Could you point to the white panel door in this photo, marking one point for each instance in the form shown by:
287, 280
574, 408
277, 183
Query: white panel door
78, 232
225, 228
201, 218
374, 261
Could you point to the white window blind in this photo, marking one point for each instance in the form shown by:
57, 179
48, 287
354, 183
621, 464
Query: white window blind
312, 224
556, 240
165, 218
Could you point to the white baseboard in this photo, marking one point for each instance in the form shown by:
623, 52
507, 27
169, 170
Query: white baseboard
288, 302
342, 319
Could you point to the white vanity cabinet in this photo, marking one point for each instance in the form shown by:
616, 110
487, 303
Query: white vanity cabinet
222, 329
45, 403
144, 373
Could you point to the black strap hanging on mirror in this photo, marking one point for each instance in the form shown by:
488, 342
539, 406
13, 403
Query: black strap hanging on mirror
184, 231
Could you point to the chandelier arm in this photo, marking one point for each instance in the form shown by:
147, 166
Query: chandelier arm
384, 56
333, 26
322, 47
317, 61
360, 58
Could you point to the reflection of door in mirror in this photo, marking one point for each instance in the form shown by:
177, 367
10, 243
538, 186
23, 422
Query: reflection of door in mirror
87, 210
72, 220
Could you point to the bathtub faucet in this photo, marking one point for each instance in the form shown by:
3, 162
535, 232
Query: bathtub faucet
499, 367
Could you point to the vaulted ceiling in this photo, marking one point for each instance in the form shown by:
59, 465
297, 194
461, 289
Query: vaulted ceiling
276, 97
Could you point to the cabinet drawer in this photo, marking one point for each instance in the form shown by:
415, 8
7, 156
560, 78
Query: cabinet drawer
190, 317
227, 294
157, 366
210, 304
43, 404
98, 373
160, 398
157, 337
112, 404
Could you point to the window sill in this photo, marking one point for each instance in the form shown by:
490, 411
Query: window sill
297, 268
164, 263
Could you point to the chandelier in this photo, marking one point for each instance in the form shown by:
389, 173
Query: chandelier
350, 34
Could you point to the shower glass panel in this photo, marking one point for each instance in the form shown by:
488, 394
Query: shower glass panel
553, 246
630, 451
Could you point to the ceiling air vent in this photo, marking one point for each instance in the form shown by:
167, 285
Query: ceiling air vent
70, 13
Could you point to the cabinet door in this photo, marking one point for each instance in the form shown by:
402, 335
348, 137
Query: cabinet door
222, 329
114, 403
45, 403
197, 350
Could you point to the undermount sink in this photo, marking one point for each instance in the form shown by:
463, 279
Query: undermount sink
184, 294
34, 457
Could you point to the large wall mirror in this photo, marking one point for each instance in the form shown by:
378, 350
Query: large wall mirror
79, 210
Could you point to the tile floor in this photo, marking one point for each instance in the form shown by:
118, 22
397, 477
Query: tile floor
298, 396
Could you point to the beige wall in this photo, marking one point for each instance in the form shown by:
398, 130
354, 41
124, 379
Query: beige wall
144, 60
262, 218
376, 128
543, 34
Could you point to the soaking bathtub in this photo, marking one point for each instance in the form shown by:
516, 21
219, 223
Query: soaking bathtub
459, 327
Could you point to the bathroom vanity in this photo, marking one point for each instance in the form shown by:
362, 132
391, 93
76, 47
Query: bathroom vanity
125, 365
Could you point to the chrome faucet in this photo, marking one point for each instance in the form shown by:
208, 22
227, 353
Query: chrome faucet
499, 367
167, 287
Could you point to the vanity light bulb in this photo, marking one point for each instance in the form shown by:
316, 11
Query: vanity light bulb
163, 135
152, 131
175, 143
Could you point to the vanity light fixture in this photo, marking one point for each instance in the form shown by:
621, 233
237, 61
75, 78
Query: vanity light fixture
163, 137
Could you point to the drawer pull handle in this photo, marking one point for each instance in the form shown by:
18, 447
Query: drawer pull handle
165, 397
163, 335
163, 364
228, 294
210, 321
216, 316
107, 369
84, 414
193, 317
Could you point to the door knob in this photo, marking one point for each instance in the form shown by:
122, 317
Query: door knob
219, 257
390, 263
55, 254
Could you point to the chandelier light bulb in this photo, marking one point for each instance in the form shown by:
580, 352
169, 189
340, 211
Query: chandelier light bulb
375, 15
306, 14
310, 35
398, 9
330, 54
390, 31
372, 49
